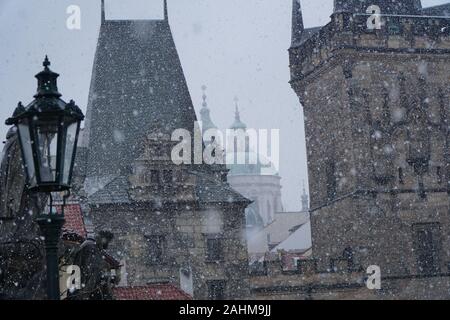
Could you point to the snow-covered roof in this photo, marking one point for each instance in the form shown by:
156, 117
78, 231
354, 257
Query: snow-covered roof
137, 87
299, 240
137, 84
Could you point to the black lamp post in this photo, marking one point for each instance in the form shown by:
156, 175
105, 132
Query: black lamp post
48, 131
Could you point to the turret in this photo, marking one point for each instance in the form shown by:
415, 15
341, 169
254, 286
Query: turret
297, 22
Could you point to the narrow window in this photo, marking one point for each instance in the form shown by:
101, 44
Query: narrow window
427, 243
159, 150
331, 180
155, 176
155, 249
216, 290
213, 249
348, 256
167, 176
439, 175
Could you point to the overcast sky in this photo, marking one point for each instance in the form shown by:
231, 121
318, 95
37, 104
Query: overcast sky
235, 47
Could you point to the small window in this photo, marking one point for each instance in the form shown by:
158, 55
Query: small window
178, 176
213, 249
401, 176
439, 175
349, 257
296, 262
427, 244
156, 246
155, 176
394, 29
159, 150
216, 290
331, 179
167, 176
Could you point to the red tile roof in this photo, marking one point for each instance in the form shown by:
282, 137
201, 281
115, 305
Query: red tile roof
74, 219
151, 292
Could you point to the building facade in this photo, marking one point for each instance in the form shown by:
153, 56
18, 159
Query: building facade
178, 224
376, 104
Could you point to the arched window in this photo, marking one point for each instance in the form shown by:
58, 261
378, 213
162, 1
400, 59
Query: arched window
348, 256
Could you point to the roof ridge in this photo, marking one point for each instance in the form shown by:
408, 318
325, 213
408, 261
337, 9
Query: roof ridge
106, 185
437, 6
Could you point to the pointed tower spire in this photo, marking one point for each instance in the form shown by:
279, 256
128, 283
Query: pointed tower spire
205, 104
387, 6
205, 113
297, 22
305, 202
166, 11
103, 11
238, 124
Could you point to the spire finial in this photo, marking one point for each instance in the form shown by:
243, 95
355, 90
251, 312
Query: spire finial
238, 124
46, 62
166, 11
103, 11
207, 123
47, 82
236, 102
205, 104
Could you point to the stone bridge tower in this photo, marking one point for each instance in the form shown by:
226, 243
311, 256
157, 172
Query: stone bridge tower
377, 112
171, 223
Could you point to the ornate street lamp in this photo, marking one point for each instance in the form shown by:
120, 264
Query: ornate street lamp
48, 131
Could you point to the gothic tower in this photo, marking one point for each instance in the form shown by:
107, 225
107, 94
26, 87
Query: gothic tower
178, 223
376, 105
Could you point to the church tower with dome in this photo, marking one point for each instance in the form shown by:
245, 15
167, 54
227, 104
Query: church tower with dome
257, 182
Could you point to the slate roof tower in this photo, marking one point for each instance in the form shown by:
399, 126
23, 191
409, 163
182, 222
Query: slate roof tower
172, 223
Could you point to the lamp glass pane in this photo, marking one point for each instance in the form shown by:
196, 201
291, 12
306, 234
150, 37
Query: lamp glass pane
47, 134
71, 135
27, 151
